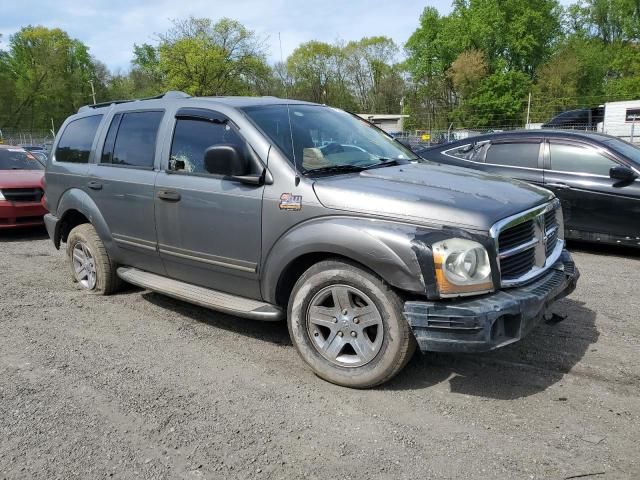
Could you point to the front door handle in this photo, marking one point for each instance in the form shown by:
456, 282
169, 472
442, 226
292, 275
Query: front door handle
169, 196
559, 186
94, 185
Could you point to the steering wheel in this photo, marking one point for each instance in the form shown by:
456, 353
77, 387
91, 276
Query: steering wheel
331, 148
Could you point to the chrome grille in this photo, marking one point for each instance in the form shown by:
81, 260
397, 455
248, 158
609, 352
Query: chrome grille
517, 235
517, 265
528, 243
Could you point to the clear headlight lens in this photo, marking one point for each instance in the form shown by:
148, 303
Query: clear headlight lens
1, 196
462, 267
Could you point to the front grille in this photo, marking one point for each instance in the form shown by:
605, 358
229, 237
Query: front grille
525, 243
514, 236
551, 231
22, 194
515, 266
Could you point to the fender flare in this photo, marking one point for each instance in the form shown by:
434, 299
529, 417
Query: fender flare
384, 247
76, 199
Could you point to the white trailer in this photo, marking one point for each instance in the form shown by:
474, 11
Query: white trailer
622, 119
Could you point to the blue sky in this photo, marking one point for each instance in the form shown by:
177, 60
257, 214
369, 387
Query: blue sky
110, 28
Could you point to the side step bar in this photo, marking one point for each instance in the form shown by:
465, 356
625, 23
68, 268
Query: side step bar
205, 297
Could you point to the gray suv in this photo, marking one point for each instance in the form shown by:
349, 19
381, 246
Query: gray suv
270, 209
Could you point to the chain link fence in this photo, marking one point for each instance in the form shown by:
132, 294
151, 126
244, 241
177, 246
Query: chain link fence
22, 137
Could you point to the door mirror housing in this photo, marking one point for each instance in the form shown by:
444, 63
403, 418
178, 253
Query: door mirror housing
227, 160
622, 173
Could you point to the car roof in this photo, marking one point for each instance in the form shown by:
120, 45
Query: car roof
185, 100
549, 133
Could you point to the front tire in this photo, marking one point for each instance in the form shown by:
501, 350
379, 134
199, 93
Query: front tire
91, 267
347, 325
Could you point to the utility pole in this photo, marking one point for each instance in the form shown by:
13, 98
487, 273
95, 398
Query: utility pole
528, 111
93, 91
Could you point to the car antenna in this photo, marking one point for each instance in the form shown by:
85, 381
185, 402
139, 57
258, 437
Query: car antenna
286, 92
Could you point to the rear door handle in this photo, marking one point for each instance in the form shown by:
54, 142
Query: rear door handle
559, 186
169, 196
94, 185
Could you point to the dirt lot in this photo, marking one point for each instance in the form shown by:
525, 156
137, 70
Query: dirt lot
140, 386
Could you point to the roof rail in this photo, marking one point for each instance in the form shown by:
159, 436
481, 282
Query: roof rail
169, 94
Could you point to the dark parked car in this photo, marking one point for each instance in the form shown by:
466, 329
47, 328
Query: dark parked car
270, 209
594, 175
581, 119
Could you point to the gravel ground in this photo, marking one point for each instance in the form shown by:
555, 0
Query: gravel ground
137, 385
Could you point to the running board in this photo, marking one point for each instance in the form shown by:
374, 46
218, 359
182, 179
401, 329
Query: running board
204, 297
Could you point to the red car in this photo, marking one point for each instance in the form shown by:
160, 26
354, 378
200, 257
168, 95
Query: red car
21, 193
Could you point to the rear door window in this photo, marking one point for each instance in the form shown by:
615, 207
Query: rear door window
514, 154
579, 159
135, 140
76, 140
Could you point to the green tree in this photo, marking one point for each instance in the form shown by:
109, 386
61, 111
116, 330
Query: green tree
311, 67
48, 75
206, 58
369, 66
608, 20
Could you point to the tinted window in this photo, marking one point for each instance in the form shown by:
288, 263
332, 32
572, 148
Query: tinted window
514, 154
633, 114
18, 159
135, 144
107, 151
76, 140
629, 150
192, 137
571, 158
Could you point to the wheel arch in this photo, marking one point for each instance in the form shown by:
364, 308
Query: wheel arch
383, 248
75, 208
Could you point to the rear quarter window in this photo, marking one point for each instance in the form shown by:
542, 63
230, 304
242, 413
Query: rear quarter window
76, 140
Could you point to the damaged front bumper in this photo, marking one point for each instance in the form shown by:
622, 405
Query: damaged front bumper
493, 320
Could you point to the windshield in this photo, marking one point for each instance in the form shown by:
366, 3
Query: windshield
629, 150
319, 138
18, 159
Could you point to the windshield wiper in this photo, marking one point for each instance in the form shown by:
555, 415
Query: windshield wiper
336, 169
386, 162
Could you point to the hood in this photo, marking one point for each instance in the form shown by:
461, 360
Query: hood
431, 193
20, 178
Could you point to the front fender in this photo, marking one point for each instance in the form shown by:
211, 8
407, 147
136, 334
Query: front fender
384, 247
76, 199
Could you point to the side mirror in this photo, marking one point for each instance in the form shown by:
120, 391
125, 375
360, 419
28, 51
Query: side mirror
227, 160
622, 173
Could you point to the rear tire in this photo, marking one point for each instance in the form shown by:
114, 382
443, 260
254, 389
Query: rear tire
347, 325
91, 267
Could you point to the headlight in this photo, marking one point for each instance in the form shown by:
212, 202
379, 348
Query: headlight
1, 196
462, 267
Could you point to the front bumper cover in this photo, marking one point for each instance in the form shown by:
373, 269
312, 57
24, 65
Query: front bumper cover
20, 214
491, 321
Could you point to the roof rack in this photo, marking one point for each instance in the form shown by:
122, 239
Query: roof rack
169, 94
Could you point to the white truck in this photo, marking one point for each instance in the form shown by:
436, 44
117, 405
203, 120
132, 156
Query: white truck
622, 119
